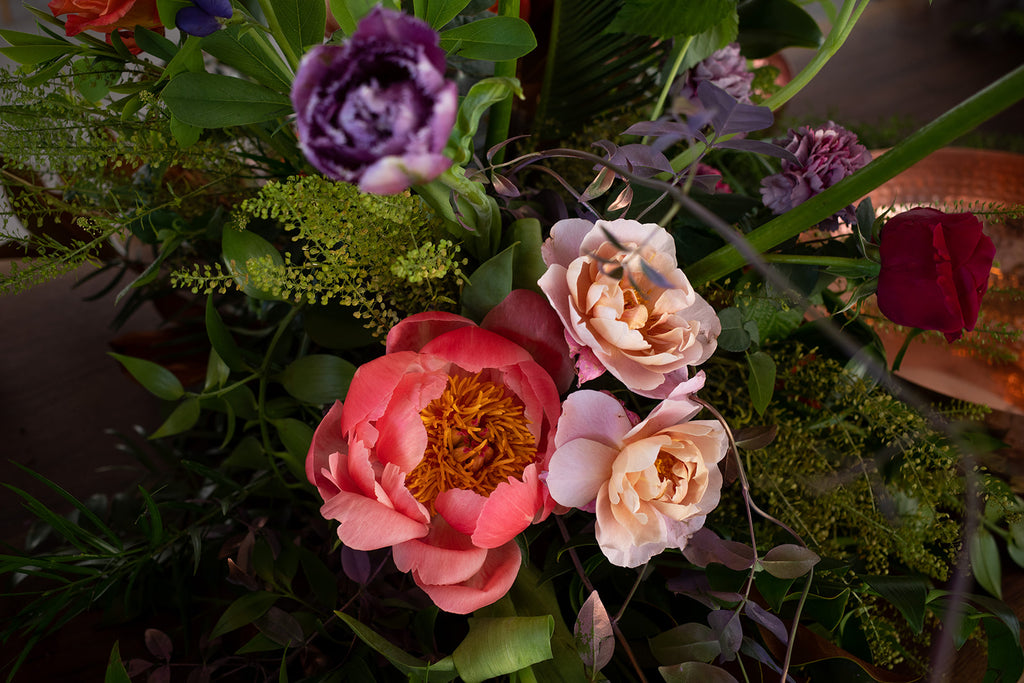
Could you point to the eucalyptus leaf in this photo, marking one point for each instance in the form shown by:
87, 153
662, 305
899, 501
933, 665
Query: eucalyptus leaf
494, 39
691, 642
593, 631
157, 379
789, 561
695, 672
218, 101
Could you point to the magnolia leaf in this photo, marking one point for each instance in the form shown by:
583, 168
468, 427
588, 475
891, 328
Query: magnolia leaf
686, 643
593, 631
494, 39
243, 612
318, 378
184, 134
157, 379
789, 561
1005, 657
496, 646
296, 436
985, 561
155, 44
761, 380
756, 436
220, 337
217, 101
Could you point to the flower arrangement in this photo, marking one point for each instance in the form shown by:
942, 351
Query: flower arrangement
472, 401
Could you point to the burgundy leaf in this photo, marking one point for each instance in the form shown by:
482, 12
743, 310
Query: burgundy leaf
158, 643
593, 632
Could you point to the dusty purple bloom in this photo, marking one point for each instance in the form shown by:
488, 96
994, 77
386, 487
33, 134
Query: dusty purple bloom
726, 68
377, 110
824, 156
201, 17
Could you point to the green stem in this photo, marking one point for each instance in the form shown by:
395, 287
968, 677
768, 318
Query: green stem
659, 106
898, 360
959, 120
262, 392
275, 27
500, 116
812, 260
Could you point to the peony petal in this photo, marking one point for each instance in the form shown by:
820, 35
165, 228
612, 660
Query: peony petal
460, 508
511, 507
442, 556
327, 439
367, 524
527, 319
577, 471
412, 333
474, 349
490, 584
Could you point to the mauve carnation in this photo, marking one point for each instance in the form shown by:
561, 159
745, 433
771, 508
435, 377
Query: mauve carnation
726, 68
377, 110
824, 156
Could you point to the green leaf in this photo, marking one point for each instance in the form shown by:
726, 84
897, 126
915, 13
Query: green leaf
318, 378
251, 54
734, 337
348, 13
156, 521
686, 643
155, 44
243, 612
488, 285
707, 42
1005, 657
479, 99
241, 246
302, 23
496, 646
768, 26
789, 561
761, 380
695, 672
494, 39
528, 266
296, 437
158, 380
403, 661
908, 594
217, 101
985, 561
669, 18
168, 10
182, 418
220, 338
30, 49
440, 12
116, 673
93, 77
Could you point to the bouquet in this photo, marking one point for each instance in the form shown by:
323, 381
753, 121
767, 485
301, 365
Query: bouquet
518, 341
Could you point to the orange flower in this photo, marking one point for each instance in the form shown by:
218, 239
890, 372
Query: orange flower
106, 16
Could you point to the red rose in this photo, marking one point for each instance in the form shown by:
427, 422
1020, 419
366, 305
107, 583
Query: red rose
106, 16
935, 269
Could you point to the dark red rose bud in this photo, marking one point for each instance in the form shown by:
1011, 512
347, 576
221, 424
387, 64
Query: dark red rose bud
935, 269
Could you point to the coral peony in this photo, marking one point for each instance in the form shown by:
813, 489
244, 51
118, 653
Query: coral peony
651, 484
377, 110
437, 451
935, 269
646, 325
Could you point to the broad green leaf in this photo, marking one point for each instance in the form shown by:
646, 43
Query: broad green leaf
502, 645
184, 134
734, 337
182, 418
34, 54
168, 10
217, 101
440, 12
494, 39
789, 561
488, 285
318, 378
1005, 657
348, 13
695, 672
116, 673
157, 379
243, 612
21, 39
93, 77
908, 594
302, 22
761, 380
444, 670
296, 436
686, 643
478, 100
155, 44
241, 246
251, 54
220, 337
528, 266
768, 26
710, 40
669, 18
985, 563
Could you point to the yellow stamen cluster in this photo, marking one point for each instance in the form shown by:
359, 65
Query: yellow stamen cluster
477, 437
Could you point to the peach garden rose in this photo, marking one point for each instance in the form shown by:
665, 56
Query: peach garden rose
651, 484
438, 448
648, 331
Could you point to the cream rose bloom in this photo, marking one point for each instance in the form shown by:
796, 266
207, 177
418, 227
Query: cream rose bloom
647, 332
652, 484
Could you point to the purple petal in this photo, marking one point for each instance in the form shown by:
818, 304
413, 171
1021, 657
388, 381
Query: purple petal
195, 22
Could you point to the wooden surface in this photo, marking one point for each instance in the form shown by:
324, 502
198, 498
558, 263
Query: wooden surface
60, 392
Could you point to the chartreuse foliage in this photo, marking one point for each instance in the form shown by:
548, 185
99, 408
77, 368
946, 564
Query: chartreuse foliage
383, 256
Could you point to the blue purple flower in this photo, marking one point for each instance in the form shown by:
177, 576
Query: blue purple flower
377, 110
202, 17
